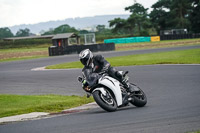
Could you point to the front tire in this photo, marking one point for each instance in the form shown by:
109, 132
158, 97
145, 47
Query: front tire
107, 103
139, 98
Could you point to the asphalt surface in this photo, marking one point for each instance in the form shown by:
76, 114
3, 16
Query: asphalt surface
17, 78
173, 107
172, 92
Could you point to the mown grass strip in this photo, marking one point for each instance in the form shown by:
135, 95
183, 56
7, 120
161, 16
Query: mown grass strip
194, 132
20, 104
191, 56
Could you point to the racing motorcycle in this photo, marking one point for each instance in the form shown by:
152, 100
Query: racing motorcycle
110, 94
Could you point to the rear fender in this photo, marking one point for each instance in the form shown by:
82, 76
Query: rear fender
135, 88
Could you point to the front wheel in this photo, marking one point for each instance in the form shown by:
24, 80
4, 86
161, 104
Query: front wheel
139, 97
107, 102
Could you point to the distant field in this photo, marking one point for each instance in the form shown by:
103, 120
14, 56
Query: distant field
38, 51
13, 54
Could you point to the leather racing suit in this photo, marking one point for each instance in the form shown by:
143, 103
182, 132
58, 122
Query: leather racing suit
99, 64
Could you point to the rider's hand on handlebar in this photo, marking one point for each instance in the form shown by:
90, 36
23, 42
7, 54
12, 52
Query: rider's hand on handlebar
102, 72
86, 88
104, 69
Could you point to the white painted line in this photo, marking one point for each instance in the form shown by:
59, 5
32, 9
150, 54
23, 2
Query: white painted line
23, 117
84, 107
38, 69
43, 69
38, 115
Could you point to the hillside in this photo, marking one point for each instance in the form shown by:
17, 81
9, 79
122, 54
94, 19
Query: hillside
78, 23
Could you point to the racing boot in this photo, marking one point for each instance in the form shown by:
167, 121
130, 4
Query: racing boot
127, 86
123, 78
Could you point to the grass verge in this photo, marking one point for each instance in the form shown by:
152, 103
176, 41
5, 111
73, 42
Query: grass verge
20, 104
191, 56
194, 132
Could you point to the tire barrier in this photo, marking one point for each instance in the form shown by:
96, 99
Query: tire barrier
53, 50
152, 39
128, 40
155, 38
76, 49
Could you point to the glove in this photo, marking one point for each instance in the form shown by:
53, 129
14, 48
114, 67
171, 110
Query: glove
87, 89
84, 82
85, 86
105, 68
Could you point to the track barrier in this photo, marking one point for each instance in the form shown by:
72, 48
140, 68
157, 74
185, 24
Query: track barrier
76, 49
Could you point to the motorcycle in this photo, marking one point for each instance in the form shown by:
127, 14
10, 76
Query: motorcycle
110, 94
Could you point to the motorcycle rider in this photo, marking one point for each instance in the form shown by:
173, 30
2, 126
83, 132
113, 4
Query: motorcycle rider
95, 64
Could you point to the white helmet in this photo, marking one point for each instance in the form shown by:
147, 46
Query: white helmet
85, 57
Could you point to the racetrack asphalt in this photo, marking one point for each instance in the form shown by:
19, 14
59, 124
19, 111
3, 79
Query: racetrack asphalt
17, 77
173, 107
172, 93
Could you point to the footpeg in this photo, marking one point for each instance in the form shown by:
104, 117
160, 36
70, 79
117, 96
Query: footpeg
129, 99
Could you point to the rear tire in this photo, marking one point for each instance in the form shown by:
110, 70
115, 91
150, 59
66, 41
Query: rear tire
108, 104
139, 98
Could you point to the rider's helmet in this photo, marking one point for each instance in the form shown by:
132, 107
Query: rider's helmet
86, 57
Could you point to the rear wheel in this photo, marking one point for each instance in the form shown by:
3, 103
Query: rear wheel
107, 102
139, 97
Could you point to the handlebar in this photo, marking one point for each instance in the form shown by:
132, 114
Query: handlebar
102, 72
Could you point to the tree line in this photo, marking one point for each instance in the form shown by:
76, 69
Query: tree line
165, 15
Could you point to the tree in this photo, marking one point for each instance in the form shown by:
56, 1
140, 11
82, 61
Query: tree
61, 29
49, 32
23, 32
83, 32
160, 15
171, 14
139, 18
194, 16
137, 21
137, 9
118, 25
100, 28
179, 10
130, 25
65, 29
5, 32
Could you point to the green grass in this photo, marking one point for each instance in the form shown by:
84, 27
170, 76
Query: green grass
191, 56
20, 104
194, 132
